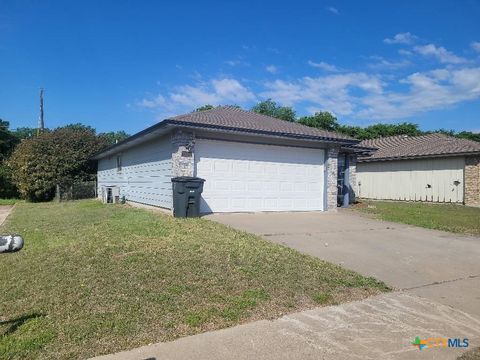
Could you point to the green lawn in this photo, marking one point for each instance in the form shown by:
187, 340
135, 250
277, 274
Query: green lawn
8, 201
94, 279
447, 217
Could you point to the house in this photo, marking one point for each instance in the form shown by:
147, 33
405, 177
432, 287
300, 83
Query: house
433, 167
250, 162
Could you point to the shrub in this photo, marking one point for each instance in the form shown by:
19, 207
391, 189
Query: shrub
58, 157
7, 189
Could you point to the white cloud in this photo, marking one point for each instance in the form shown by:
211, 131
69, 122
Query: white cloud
404, 52
231, 90
475, 46
331, 92
366, 96
236, 62
401, 38
380, 63
152, 103
272, 69
433, 90
442, 54
333, 10
192, 96
324, 66
187, 97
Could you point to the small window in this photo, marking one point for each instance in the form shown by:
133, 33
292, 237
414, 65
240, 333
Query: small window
119, 163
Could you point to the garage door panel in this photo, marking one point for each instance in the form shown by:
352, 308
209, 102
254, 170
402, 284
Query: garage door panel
419, 179
251, 177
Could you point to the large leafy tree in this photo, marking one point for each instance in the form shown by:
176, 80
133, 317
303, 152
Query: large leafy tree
114, 137
8, 141
380, 130
270, 108
23, 133
204, 107
61, 157
321, 120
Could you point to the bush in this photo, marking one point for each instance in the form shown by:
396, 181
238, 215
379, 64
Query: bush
58, 157
7, 189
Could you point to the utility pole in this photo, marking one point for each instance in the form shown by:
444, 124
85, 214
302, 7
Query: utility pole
41, 123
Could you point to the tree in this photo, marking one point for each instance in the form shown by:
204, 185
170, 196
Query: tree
204, 107
80, 127
270, 108
7, 189
61, 157
8, 140
23, 133
321, 120
469, 135
114, 137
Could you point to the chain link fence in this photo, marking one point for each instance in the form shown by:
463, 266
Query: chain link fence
76, 191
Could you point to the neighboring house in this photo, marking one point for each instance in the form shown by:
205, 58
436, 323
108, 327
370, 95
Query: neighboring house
433, 167
250, 162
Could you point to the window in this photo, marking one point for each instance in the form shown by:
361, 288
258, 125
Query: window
119, 162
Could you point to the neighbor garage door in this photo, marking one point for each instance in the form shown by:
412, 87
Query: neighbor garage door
249, 177
436, 180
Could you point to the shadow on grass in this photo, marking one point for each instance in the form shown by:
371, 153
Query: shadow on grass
14, 324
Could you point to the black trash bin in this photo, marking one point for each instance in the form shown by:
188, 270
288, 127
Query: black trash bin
186, 196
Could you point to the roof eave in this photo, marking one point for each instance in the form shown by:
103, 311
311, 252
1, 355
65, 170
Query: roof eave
191, 125
169, 124
163, 125
468, 153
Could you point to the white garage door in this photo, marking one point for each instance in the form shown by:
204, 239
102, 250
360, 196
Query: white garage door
249, 177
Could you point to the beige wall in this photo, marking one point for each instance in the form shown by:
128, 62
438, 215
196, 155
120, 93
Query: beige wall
409, 180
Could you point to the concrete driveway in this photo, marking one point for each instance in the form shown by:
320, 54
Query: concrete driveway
4, 212
440, 266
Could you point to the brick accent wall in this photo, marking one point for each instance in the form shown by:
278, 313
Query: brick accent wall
472, 181
332, 173
183, 161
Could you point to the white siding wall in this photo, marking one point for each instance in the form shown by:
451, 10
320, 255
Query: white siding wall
146, 173
408, 179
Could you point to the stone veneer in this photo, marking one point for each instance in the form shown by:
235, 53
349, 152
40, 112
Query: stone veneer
352, 176
183, 161
332, 173
472, 181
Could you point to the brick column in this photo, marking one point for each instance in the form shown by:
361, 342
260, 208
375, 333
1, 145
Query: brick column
183, 153
472, 181
332, 174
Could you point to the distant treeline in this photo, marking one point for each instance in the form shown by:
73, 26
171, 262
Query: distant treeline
325, 120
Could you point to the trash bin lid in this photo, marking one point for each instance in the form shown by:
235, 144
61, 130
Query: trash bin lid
187, 179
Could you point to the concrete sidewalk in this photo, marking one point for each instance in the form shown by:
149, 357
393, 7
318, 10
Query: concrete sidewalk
4, 212
380, 327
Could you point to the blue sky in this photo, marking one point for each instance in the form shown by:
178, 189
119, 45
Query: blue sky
125, 65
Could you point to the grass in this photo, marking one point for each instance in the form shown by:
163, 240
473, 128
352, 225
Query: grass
8, 201
94, 279
447, 217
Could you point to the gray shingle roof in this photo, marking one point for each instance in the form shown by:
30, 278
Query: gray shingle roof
403, 146
229, 117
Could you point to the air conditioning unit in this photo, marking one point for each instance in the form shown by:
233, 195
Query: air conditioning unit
110, 194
